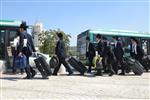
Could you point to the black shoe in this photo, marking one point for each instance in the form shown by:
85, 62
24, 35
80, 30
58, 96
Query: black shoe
98, 74
146, 70
45, 77
116, 72
21, 71
14, 73
33, 73
88, 71
106, 71
54, 74
27, 77
71, 73
49, 74
122, 74
112, 73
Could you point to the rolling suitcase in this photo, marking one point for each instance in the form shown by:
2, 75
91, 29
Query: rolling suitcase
40, 68
54, 62
145, 63
126, 67
77, 65
45, 66
136, 67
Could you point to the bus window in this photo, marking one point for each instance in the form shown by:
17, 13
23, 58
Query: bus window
144, 46
12, 35
2, 45
81, 46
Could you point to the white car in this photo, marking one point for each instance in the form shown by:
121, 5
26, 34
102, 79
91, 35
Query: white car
38, 54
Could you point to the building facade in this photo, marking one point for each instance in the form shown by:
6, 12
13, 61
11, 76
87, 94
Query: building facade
36, 29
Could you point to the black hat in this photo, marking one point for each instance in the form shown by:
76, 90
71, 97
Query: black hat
134, 39
104, 38
116, 37
23, 25
98, 36
59, 34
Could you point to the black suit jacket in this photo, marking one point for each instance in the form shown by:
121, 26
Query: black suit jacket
131, 53
60, 50
118, 51
91, 51
99, 47
25, 35
139, 54
105, 49
30, 40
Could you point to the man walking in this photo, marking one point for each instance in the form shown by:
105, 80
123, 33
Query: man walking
60, 51
136, 51
90, 53
26, 47
118, 52
108, 56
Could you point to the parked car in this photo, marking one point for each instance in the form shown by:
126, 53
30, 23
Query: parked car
38, 54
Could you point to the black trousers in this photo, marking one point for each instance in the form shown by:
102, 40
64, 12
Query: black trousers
62, 61
116, 66
110, 69
119, 62
29, 70
90, 60
109, 65
104, 62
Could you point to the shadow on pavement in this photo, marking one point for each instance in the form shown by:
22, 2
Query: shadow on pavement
11, 78
89, 75
130, 75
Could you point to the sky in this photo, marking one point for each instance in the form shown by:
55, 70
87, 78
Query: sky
76, 16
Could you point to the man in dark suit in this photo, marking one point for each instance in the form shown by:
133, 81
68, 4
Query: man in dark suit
102, 50
99, 47
136, 50
24, 43
60, 51
90, 53
118, 52
108, 57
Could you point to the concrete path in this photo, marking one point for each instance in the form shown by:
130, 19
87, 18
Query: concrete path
76, 87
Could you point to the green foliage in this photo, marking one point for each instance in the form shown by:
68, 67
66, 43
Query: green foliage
48, 41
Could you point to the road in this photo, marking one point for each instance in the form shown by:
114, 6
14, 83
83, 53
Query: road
75, 87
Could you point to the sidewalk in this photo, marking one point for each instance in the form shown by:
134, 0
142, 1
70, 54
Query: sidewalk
76, 87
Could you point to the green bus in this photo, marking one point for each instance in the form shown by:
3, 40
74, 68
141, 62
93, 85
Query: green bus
8, 30
124, 36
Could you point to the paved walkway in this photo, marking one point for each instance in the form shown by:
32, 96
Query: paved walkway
76, 87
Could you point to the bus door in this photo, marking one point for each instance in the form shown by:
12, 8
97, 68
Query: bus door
11, 34
2, 44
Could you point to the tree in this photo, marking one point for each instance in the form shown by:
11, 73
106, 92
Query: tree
48, 41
